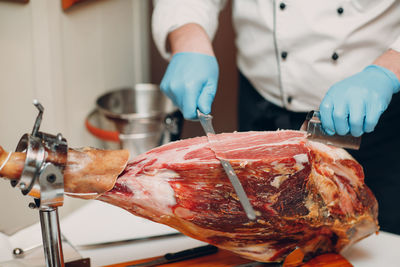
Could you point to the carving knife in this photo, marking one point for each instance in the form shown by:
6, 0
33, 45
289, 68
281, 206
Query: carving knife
206, 123
312, 125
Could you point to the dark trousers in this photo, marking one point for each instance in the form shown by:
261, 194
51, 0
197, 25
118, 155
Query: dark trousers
379, 153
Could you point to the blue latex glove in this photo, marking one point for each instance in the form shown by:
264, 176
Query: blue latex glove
355, 104
191, 82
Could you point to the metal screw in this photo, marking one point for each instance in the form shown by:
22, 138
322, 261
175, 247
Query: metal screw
32, 205
51, 178
335, 56
21, 252
22, 186
18, 252
59, 137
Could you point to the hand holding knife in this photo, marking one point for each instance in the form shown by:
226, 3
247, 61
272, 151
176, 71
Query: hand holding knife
313, 126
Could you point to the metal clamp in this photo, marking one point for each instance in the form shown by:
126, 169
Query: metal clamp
46, 158
42, 177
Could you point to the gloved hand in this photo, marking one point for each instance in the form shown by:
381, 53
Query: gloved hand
191, 82
355, 104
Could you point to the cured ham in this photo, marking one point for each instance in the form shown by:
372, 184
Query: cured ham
89, 172
306, 195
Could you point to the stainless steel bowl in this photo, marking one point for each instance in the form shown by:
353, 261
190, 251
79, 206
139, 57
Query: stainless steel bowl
138, 118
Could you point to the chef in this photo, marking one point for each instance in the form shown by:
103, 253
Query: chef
342, 57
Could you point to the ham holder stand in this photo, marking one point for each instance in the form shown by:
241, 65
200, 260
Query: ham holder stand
42, 178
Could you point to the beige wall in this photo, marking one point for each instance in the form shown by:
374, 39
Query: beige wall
65, 60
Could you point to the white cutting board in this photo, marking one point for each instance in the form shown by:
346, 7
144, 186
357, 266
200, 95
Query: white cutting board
98, 222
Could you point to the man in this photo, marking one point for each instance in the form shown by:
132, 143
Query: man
342, 57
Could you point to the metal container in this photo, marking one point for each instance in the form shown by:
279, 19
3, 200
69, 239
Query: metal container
137, 119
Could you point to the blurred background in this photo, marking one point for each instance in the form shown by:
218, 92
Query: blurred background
66, 53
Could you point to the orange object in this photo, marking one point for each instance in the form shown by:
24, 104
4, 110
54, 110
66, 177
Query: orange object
222, 258
102, 134
68, 3
294, 259
225, 258
328, 260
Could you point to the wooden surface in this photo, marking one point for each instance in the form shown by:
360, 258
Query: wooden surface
328, 260
295, 259
220, 259
226, 259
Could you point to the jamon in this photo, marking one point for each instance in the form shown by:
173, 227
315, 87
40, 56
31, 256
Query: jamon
306, 195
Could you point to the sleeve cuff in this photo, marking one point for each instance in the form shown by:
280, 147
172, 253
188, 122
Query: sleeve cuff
169, 15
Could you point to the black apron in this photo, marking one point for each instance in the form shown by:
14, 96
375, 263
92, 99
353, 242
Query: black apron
379, 153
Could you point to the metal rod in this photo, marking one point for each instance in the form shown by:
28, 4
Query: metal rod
51, 237
38, 121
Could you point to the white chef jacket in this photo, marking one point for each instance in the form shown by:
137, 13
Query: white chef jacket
292, 51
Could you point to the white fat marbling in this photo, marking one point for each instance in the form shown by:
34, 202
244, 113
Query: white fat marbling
179, 155
278, 180
301, 158
155, 190
243, 164
263, 146
336, 153
264, 249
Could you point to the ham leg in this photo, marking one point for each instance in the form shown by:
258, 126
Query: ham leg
306, 195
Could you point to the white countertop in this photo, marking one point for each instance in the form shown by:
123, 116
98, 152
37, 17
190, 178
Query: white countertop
374, 251
100, 222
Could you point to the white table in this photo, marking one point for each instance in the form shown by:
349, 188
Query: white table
374, 251
99, 222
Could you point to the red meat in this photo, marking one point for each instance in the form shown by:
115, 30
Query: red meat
305, 194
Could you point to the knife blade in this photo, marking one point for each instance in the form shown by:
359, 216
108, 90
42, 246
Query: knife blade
206, 123
313, 126
179, 256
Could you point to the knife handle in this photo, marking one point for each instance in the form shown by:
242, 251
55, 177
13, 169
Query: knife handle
191, 253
